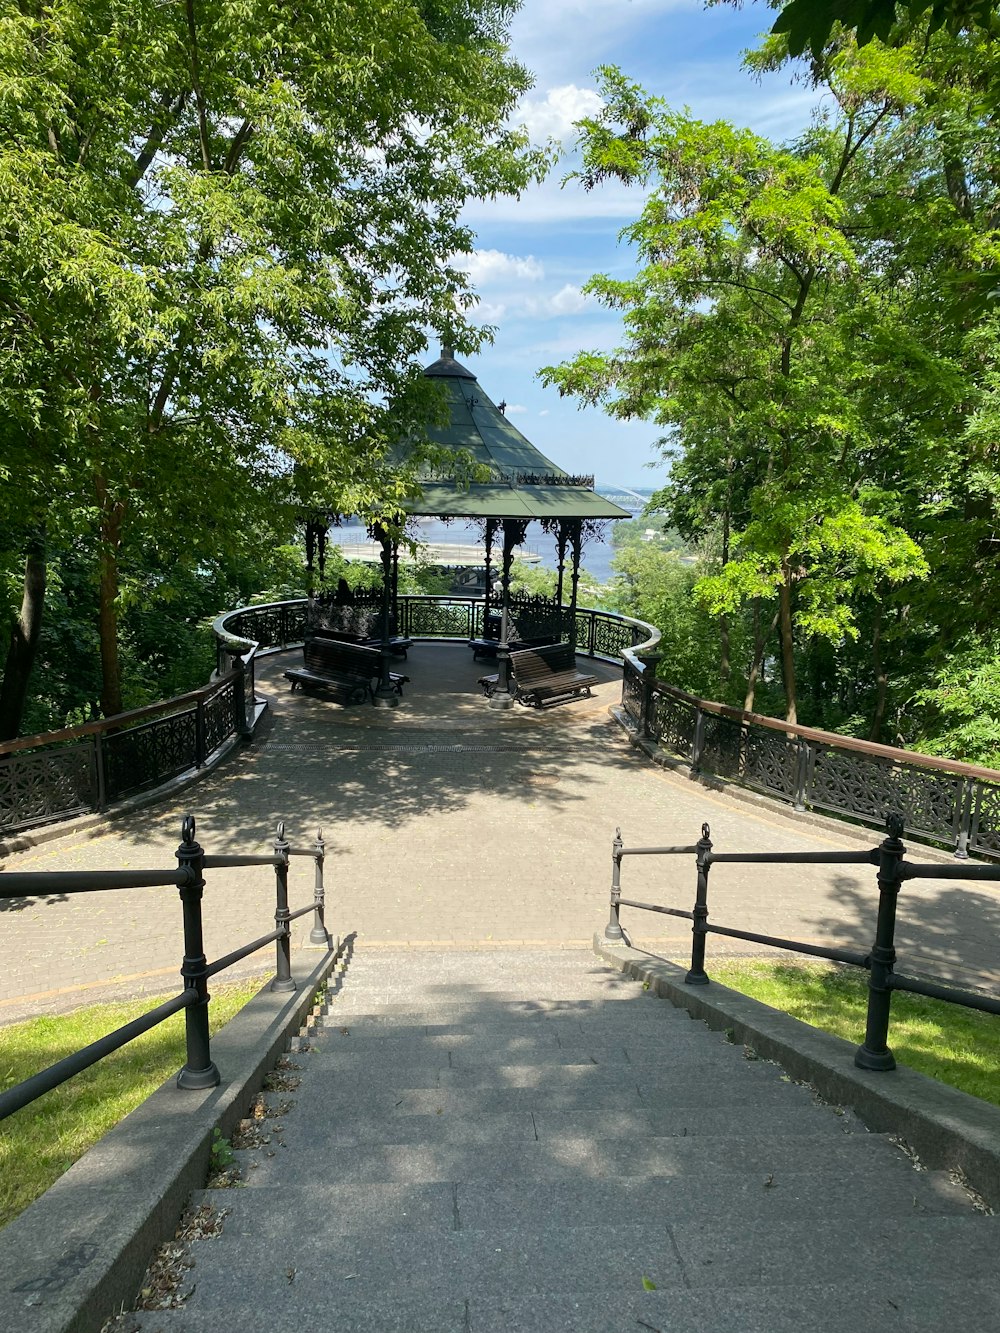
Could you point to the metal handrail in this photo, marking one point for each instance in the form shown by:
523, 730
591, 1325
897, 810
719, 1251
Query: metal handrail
199, 1070
879, 962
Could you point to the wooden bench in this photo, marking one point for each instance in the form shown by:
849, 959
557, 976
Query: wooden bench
488, 647
548, 675
348, 671
398, 646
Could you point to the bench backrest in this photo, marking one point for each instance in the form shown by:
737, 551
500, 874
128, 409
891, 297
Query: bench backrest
349, 659
535, 664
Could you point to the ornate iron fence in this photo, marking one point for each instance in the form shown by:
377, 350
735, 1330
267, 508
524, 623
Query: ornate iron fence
275, 626
941, 801
199, 1069
893, 872
84, 769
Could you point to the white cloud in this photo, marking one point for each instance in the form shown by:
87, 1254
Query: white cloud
515, 409
569, 300
554, 115
490, 266
544, 412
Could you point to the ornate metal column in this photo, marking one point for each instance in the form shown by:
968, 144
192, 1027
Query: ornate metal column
561, 536
513, 535
576, 543
385, 695
489, 532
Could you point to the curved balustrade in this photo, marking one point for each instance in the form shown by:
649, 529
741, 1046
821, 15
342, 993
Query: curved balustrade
275, 626
84, 769
940, 800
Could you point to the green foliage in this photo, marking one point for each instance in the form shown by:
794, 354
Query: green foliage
232, 227
43, 1140
805, 324
958, 1046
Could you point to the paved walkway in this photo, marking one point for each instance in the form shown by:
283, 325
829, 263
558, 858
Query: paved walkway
451, 825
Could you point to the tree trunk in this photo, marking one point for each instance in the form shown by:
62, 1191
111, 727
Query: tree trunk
112, 513
759, 648
787, 655
23, 641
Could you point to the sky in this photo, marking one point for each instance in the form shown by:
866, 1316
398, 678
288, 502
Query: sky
534, 254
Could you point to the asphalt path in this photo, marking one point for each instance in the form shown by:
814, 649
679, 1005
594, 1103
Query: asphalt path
450, 826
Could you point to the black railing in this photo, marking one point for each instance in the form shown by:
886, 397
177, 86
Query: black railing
883, 979
275, 626
84, 769
199, 1070
941, 800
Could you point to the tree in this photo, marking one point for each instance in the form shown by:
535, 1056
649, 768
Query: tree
769, 329
230, 227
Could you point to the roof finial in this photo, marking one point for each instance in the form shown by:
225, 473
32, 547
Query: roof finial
447, 353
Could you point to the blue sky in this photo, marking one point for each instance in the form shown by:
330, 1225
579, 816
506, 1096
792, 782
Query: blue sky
534, 254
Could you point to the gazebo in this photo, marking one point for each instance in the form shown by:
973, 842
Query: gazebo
522, 486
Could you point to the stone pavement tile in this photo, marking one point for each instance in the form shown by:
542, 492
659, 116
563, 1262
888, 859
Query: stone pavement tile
872, 1306
721, 1252
422, 845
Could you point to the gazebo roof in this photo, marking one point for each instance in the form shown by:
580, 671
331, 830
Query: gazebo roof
523, 483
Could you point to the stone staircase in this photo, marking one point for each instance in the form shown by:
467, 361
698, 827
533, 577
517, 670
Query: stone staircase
529, 1143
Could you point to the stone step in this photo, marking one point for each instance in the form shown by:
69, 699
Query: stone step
328, 1205
892, 1305
569, 1159
321, 1136
492, 1265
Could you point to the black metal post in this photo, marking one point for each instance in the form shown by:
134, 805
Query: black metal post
282, 917
576, 548
318, 934
101, 773
199, 734
698, 741
802, 758
199, 1069
513, 532
649, 661
697, 976
561, 536
489, 532
613, 932
969, 786
385, 695
875, 1053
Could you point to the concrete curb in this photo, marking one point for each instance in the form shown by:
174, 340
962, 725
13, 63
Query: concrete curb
947, 1129
78, 1254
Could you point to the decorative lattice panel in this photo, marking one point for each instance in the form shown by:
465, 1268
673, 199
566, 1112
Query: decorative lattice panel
220, 717
770, 761
862, 785
146, 755
41, 786
720, 750
672, 722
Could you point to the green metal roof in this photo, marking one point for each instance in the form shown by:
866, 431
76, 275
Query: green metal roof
524, 484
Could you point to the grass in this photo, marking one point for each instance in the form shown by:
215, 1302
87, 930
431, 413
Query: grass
958, 1046
40, 1142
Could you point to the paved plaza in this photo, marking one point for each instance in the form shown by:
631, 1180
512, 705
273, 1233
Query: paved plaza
454, 826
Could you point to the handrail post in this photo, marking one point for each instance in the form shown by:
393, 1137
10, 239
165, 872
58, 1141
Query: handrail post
318, 934
874, 1053
613, 932
965, 818
239, 697
697, 976
697, 741
199, 1069
199, 734
801, 775
100, 773
282, 917
649, 661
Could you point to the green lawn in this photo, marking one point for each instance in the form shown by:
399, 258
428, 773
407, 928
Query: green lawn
958, 1046
38, 1143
